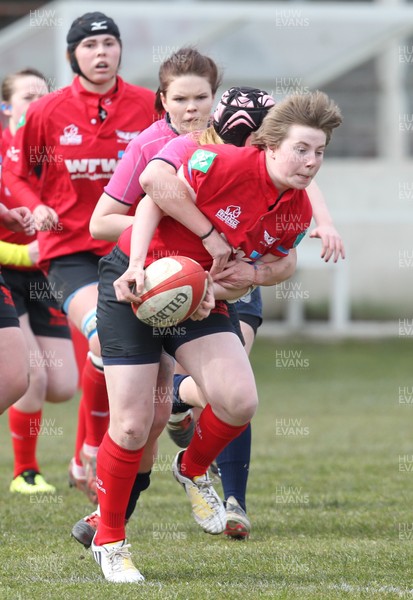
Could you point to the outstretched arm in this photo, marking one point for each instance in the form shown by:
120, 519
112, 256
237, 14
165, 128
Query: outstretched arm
332, 244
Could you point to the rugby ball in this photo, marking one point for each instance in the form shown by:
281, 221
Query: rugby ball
174, 287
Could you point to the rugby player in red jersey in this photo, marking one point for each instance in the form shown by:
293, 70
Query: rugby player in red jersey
14, 363
53, 371
77, 135
267, 184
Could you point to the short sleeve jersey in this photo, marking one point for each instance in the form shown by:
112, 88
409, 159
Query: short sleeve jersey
124, 184
234, 190
78, 152
175, 151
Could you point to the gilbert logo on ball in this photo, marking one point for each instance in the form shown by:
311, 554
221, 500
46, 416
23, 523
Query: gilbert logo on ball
174, 287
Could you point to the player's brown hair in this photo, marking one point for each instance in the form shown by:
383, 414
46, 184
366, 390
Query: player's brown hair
313, 109
186, 61
7, 86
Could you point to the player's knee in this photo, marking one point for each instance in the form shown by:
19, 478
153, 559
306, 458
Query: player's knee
244, 403
246, 409
38, 378
130, 432
58, 392
12, 389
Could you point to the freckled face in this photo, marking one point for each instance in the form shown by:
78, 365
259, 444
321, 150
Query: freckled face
296, 161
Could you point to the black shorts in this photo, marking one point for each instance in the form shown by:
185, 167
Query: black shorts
8, 313
67, 274
235, 320
125, 340
32, 295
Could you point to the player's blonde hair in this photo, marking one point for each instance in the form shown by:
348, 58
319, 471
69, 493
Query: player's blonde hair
313, 109
209, 136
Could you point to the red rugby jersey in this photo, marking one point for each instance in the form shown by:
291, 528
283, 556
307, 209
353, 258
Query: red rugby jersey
234, 190
5, 197
78, 153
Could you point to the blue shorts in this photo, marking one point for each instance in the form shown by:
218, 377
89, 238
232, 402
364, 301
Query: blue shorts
249, 309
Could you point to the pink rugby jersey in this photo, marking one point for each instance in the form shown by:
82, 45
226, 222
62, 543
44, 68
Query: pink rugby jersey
124, 184
177, 150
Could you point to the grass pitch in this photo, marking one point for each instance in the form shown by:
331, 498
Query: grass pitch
330, 494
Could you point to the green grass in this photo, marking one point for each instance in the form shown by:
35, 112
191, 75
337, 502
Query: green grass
330, 494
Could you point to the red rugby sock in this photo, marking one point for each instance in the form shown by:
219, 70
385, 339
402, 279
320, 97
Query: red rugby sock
95, 404
210, 437
24, 429
81, 431
116, 473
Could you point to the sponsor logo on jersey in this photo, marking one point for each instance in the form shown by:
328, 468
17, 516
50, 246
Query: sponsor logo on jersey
268, 239
13, 153
70, 136
230, 215
126, 136
91, 168
201, 160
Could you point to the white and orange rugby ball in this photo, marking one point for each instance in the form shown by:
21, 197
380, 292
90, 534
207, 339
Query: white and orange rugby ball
174, 287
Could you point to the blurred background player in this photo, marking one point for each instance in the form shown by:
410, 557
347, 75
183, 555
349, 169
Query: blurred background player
53, 371
80, 132
14, 360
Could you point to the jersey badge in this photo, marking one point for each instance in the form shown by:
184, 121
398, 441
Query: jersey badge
269, 240
13, 154
71, 136
229, 216
201, 160
126, 136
